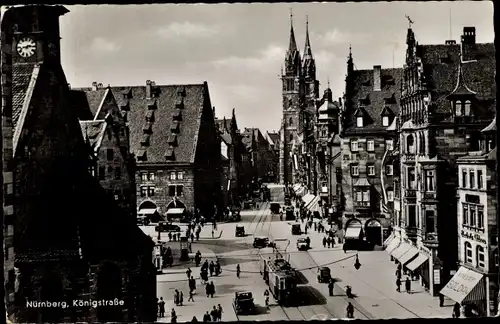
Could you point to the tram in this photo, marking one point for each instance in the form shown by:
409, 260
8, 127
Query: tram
280, 277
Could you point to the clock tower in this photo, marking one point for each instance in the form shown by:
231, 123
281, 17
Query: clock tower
35, 34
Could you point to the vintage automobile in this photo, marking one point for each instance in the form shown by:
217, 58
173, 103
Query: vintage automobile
261, 242
296, 230
302, 244
275, 207
243, 303
289, 213
324, 275
167, 227
250, 203
240, 231
234, 216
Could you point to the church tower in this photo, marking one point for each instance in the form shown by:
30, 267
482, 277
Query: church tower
293, 93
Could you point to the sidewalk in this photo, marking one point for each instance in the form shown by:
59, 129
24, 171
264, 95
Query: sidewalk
374, 285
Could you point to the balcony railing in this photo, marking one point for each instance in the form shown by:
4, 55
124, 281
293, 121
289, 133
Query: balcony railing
410, 193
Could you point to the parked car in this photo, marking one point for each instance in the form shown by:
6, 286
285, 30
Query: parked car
249, 204
240, 231
302, 244
296, 230
243, 303
261, 242
167, 227
275, 207
324, 275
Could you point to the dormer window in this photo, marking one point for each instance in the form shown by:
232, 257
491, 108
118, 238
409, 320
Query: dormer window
467, 107
385, 121
458, 108
359, 121
462, 108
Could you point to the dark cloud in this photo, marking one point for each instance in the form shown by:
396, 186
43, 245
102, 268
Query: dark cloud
239, 48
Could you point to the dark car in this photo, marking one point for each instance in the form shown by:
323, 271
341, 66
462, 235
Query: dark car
167, 227
249, 204
243, 303
324, 275
275, 207
296, 230
240, 231
262, 242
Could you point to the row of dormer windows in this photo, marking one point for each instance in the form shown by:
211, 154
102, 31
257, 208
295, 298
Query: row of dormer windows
461, 108
360, 122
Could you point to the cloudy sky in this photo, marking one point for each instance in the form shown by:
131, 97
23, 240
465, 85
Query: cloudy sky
239, 48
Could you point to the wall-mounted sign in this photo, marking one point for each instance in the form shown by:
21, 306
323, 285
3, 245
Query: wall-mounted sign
437, 276
473, 236
425, 251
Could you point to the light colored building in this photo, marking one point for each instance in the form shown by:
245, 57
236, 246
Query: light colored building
475, 285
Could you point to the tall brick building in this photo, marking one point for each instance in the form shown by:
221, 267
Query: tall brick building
67, 231
448, 97
300, 91
372, 100
174, 140
107, 136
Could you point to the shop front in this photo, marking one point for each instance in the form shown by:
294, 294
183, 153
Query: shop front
353, 234
469, 288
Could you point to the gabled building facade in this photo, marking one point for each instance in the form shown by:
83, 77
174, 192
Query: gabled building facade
448, 97
372, 100
61, 258
107, 136
174, 140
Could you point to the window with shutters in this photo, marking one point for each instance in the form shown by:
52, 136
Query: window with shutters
151, 176
472, 180
464, 179
465, 214
144, 176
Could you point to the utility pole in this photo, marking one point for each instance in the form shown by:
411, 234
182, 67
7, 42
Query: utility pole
3, 309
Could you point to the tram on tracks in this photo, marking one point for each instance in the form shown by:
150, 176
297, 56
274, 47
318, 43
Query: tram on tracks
280, 277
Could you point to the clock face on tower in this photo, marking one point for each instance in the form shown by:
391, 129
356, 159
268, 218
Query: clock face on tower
26, 47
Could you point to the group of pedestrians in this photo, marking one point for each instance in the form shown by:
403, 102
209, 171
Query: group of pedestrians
215, 315
399, 276
328, 241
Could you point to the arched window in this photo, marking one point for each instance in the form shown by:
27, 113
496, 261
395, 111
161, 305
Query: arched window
480, 256
410, 144
468, 252
467, 108
458, 108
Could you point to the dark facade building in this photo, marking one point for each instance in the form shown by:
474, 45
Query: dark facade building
107, 136
448, 97
68, 234
300, 91
174, 140
260, 155
273, 139
369, 129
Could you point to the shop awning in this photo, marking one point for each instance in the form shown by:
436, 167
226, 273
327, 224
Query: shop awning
307, 199
462, 283
417, 262
312, 203
393, 245
147, 211
400, 250
389, 239
175, 211
405, 258
352, 233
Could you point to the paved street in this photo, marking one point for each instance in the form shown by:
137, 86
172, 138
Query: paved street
376, 297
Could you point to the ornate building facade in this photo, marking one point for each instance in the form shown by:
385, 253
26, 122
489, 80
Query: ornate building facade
300, 91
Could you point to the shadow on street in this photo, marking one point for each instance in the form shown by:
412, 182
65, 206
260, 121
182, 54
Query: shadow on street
309, 296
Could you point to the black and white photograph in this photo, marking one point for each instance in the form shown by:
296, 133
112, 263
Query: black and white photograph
168, 163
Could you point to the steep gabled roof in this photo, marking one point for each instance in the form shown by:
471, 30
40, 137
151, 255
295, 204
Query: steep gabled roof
93, 132
274, 137
441, 76
372, 102
95, 99
169, 105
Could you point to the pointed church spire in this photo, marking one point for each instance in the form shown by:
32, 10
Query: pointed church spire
350, 63
234, 125
307, 49
292, 47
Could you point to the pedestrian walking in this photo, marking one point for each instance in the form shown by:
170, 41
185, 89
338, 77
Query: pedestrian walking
161, 306
169, 237
188, 273
328, 242
194, 320
324, 242
408, 285
173, 316
238, 270
398, 273
331, 285
181, 298
207, 290
191, 294
213, 233
398, 284
344, 248
192, 237
441, 300
211, 267
206, 317
456, 310
350, 310
213, 314
219, 311
176, 297
212, 289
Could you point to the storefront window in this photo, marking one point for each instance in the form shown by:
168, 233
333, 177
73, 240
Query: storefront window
468, 252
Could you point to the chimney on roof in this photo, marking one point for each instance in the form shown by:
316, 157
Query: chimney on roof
149, 85
469, 35
450, 42
377, 81
94, 86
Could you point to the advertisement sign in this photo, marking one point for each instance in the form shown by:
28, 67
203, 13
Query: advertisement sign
437, 276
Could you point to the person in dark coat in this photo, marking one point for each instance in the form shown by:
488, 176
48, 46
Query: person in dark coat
194, 320
169, 236
205, 265
181, 298
211, 267
213, 314
219, 312
161, 307
173, 316
350, 310
206, 317
324, 242
408, 285
212, 289
456, 310
398, 284
176, 297
188, 273
191, 295
441, 300
330, 287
